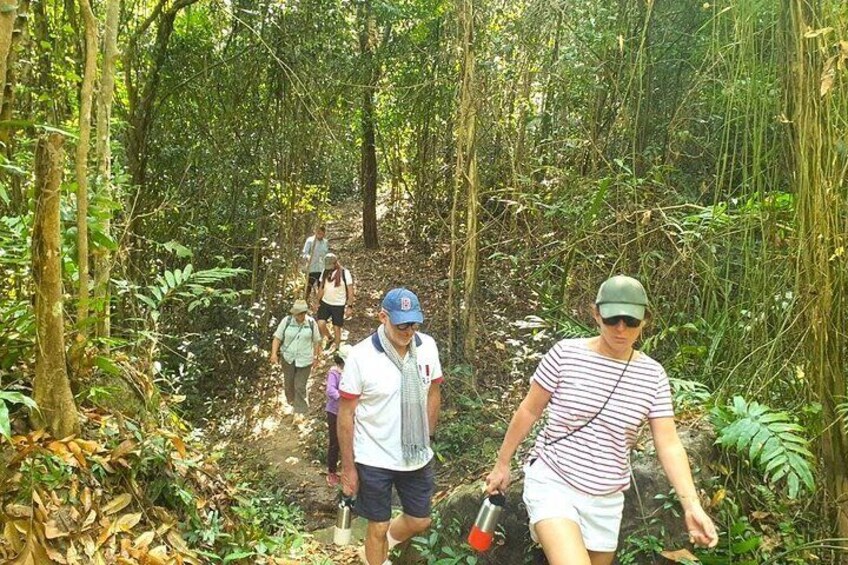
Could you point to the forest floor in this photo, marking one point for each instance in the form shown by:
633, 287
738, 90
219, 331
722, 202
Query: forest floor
256, 427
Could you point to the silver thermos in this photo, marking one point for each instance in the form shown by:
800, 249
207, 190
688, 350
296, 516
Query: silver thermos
344, 516
483, 530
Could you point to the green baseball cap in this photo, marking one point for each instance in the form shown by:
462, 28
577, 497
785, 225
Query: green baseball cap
622, 296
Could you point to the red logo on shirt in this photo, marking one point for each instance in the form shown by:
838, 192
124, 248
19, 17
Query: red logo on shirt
405, 303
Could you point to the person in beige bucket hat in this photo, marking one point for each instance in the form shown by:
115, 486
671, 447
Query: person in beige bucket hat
297, 344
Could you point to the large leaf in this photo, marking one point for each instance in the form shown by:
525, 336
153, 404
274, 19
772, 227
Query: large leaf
770, 440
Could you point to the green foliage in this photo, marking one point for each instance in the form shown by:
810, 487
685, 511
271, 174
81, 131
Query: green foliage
639, 548
769, 439
195, 288
268, 525
739, 543
8, 397
688, 395
433, 549
462, 440
17, 332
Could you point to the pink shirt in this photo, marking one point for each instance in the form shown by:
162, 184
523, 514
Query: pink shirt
596, 458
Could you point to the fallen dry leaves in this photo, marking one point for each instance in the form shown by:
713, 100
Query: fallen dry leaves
87, 507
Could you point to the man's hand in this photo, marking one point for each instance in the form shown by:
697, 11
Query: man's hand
274, 359
350, 481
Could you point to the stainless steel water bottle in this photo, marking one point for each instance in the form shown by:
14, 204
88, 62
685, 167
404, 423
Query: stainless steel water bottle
344, 516
483, 530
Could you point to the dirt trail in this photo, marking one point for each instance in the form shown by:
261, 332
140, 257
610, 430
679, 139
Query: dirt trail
291, 448
255, 419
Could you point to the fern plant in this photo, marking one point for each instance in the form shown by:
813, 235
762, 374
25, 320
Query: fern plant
188, 285
770, 440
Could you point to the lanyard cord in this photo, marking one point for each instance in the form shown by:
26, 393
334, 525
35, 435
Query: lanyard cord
592, 419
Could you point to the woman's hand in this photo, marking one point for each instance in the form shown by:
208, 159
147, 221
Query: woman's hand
350, 482
702, 531
498, 479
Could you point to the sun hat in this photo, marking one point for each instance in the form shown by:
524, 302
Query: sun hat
299, 307
402, 306
330, 260
622, 296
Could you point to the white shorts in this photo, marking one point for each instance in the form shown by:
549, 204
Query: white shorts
547, 495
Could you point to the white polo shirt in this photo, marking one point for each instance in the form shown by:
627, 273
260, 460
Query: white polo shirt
371, 377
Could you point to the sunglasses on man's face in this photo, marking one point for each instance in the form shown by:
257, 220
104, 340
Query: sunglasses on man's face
629, 321
406, 326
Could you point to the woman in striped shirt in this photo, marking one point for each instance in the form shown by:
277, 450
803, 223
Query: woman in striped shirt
598, 392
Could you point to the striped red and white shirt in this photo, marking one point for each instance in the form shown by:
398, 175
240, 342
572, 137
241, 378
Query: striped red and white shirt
596, 458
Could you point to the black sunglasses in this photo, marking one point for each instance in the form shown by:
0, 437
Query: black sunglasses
629, 321
406, 326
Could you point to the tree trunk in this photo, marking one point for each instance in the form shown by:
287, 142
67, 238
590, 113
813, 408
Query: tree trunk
102, 255
142, 97
545, 143
17, 189
368, 164
8, 13
818, 176
86, 96
466, 179
51, 387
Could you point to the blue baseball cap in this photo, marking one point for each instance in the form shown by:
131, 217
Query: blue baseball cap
402, 306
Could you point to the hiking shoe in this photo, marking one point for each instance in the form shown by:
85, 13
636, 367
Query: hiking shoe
333, 480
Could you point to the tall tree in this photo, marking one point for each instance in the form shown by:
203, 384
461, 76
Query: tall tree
142, 81
51, 387
8, 13
819, 107
466, 185
368, 162
86, 97
103, 152
15, 182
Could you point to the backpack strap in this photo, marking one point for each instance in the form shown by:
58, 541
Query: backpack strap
309, 318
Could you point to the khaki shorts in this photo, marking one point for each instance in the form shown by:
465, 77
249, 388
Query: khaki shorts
547, 495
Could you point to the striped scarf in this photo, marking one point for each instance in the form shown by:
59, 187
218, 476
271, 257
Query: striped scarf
414, 426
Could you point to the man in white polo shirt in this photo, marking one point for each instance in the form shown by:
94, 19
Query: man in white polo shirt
390, 402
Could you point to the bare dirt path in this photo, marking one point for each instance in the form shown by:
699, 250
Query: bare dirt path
257, 425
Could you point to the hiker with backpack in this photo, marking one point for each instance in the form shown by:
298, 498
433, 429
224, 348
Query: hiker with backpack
597, 392
297, 344
312, 256
335, 296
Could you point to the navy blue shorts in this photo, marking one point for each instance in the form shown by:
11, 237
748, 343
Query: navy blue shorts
327, 312
374, 499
